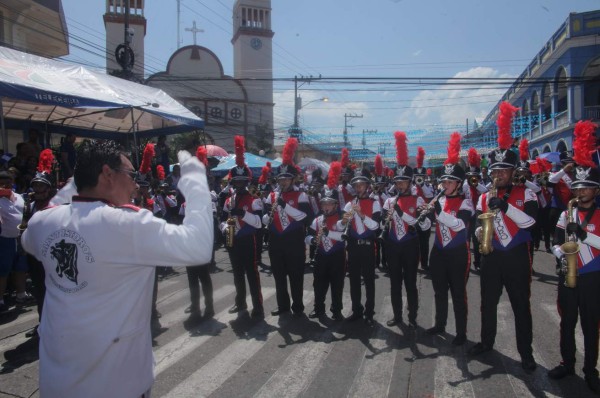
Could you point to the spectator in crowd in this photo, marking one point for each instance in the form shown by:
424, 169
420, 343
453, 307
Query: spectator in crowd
68, 156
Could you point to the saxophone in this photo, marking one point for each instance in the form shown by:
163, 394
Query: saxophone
570, 249
273, 209
487, 223
231, 223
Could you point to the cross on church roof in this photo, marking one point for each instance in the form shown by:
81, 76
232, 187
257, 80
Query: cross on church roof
194, 30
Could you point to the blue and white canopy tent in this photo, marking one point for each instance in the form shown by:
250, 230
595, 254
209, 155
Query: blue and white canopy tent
254, 162
60, 97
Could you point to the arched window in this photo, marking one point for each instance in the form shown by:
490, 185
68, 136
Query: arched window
592, 89
561, 146
535, 154
547, 113
547, 148
535, 103
561, 90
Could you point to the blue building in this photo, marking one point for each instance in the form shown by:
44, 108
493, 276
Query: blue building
560, 86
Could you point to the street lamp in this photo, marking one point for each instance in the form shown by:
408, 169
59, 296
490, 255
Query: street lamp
298, 105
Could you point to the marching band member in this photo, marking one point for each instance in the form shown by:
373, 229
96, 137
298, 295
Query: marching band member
419, 175
473, 188
240, 214
542, 224
285, 216
345, 189
583, 299
400, 237
330, 257
514, 209
379, 194
449, 264
360, 223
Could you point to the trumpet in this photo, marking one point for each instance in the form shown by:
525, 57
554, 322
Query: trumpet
419, 180
27, 212
570, 249
518, 179
473, 181
487, 223
350, 214
273, 210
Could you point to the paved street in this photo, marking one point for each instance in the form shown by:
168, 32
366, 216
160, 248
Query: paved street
235, 356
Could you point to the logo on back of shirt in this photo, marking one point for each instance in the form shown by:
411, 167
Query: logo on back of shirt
65, 255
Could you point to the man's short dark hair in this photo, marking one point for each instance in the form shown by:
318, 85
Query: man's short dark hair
91, 156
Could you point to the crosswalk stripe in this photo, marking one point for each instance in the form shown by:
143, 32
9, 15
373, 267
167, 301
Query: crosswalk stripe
211, 376
176, 349
375, 372
291, 379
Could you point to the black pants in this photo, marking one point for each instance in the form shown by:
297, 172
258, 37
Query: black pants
329, 271
424, 247
200, 275
542, 228
512, 270
287, 255
475, 241
243, 262
450, 270
584, 301
361, 262
38, 276
403, 261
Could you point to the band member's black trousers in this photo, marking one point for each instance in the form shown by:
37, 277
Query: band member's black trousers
424, 247
543, 228
329, 270
200, 275
403, 261
475, 241
450, 270
512, 270
361, 262
243, 262
287, 255
584, 301
38, 276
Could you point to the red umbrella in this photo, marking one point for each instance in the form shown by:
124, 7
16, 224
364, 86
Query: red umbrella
213, 150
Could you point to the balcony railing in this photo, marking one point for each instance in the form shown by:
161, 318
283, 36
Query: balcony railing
591, 112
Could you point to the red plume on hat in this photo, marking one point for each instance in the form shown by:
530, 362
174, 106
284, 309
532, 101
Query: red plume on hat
453, 148
160, 172
389, 172
45, 161
429, 172
264, 174
335, 170
584, 143
474, 158
239, 147
524, 150
378, 165
401, 148
147, 157
504, 123
543, 164
345, 161
289, 150
202, 154
420, 156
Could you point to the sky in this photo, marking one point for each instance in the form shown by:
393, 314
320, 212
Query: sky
358, 38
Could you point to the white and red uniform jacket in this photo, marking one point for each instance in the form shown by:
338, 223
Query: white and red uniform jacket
399, 226
250, 222
331, 243
450, 230
588, 259
290, 217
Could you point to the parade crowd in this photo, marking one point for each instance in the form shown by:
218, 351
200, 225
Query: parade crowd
93, 249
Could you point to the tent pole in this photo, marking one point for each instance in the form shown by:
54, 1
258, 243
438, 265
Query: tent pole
135, 141
4, 133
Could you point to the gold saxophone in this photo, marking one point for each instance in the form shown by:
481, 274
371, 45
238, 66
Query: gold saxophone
231, 223
487, 223
570, 248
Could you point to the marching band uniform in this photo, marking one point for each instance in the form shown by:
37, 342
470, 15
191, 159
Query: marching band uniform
419, 174
330, 256
584, 298
243, 208
509, 264
361, 253
449, 264
472, 193
402, 246
286, 236
379, 194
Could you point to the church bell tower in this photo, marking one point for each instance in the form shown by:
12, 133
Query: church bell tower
118, 43
253, 56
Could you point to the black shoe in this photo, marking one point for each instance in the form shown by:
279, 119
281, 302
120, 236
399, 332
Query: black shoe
560, 372
478, 349
298, 314
593, 383
460, 339
393, 322
355, 316
548, 250
257, 313
279, 311
209, 312
193, 319
528, 364
316, 314
237, 308
436, 330
33, 333
477, 267
337, 316
412, 323
369, 321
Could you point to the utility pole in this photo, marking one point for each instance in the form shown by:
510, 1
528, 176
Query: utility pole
364, 140
178, 23
346, 118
